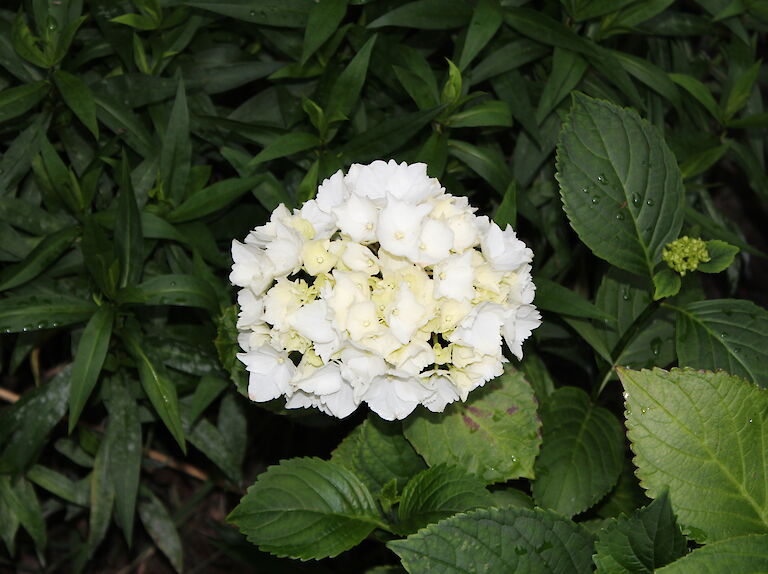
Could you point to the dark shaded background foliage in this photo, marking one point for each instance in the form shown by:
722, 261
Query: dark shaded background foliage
139, 138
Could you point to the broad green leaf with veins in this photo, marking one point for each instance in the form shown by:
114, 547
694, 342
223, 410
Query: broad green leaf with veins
701, 435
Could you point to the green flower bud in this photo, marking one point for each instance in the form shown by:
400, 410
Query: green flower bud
685, 254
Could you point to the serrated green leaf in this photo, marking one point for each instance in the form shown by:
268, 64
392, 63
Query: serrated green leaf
19, 496
161, 528
281, 13
25, 426
639, 544
39, 259
666, 283
551, 296
494, 434
213, 198
172, 289
125, 453
159, 388
377, 453
89, 358
620, 184
306, 508
346, 90
581, 453
426, 15
743, 554
78, 96
699, 434
20, 99
721, 255
486, 20
724, 334
437, 493
509, 540
324, 18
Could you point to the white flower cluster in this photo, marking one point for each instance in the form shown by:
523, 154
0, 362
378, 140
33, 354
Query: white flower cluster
385, 290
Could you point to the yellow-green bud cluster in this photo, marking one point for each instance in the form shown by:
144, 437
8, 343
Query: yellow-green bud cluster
685, 254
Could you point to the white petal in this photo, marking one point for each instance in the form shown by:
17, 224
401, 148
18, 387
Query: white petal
399, 228
453, 277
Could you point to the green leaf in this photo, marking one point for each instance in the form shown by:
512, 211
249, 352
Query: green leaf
32, 312
89, 358
306, 508
437, 493
651, 75
490, 113
58, 484
698, 163
21, 99
426, 15
324, 18
78, 96
213, 198
699, 91
40, 258
639, 544
176, 152
25, 426
286, 144
345, 93
486, 20
20, 498
581, 453
280, 13
551, 296
699, 434
172, 289
596, 8
161, 528
125, 452
724, 334
128, 233
721, 255
488, 163
205, 393
506, 213
666, 283
509, 57
384, 138
620, 184
213, 444
102, 499
17, 158
741, 91
494, 434
377, 453
10, 525
159, 388
513, 540
744, 554
567, 70
26, 44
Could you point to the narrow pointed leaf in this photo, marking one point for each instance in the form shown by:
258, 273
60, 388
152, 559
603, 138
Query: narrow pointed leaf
281, 13
213, 198
619, 183
306, 508
324, 17
128, 232
33, 312
79, 98
42, 256
89, 359
552, 296
161, 528
426, 15
346, 91
102, 498
19, 496
176, 152
486, 20
172, 289
510, 540
700, 435
20, 99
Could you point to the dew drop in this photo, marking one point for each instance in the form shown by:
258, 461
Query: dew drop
643, 410
655, 346
173, 283
625, 294
252, 13
649, 202
620, 217
585, 190
625, 395
52, 27
636, 199
750, 420
595, 200
601, 179
722, 335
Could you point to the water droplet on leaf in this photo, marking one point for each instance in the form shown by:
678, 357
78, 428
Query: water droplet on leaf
601, 179
595, 200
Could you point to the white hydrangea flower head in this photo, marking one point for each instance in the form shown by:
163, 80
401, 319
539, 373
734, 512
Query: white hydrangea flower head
383, 290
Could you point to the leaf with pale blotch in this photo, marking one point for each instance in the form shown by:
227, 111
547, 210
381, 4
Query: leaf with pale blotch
701, 435
494, 434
